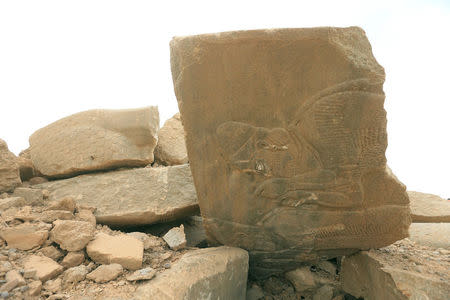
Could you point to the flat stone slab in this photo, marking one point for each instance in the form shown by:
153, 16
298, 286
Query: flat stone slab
428, 208
435, 235
96, 140
132, 197
286, 138
401, 271
210, 273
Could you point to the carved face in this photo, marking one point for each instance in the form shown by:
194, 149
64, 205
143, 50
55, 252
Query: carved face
267, 152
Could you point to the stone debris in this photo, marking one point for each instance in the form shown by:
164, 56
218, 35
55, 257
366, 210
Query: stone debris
46, 268
53, 286
171, 147
7, 203
73, 259
24, 237
86, 215
175, 238
290, 169
428, 208
72, 235
213, 273
142, 274
400, 271
32, 196
34, 288
96, 140
9, 169
105, 273
149, 241
75, 274
15, 275
65, 204
51, 216
122, 249
52, 252
124, 198
436, 235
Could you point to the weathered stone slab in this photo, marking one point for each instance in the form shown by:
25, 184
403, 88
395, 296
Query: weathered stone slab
211, 273
132, 197
436, 235
96, 140
9, 169
428, 208
389, 275
286, 137
171, 147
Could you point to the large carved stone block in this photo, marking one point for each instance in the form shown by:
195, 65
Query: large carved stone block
286, 134
96, 140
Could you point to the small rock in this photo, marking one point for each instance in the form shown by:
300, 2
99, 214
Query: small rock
51, 252
24, 236
8, 286
50, 216
45, 267
31, 196
105, 273
10, 173
175, 238
29, 273
255, 293
4, 295
15, 275
53, 286
142, 274
302, 279
73, 259
149, 241
327, 266
7, 203
34, 288
5, 266
324, 293
66, 203
75, 274
122, 249
72, 235
87, 216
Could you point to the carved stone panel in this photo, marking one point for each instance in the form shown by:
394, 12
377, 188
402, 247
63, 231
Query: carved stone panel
286, 135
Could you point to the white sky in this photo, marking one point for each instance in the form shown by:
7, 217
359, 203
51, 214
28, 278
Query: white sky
61, 57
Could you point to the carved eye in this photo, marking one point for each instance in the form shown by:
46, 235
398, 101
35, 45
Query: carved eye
259, 166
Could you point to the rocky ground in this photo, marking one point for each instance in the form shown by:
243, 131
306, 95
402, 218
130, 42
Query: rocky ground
136, 233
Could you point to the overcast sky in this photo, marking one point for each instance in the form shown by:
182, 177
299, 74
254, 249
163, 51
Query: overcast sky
61, 57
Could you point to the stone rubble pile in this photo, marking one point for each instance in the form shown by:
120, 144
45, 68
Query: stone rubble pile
103, 203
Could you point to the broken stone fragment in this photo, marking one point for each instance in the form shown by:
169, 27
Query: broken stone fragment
149, 241
9, 169
46, 268
175, 238
377, 275
51, 252
86, 215
32, 196
288, 152
72, 235
74, 274
105, 273
66, 203
73, 259
132, 197
142, 274
122, 249
212, 273
96, 140
53, 286
435, 235
171, 147
8, 286
24, 237
51, 216
15, 275
7, 203
303, 279
428, 208
34, 288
